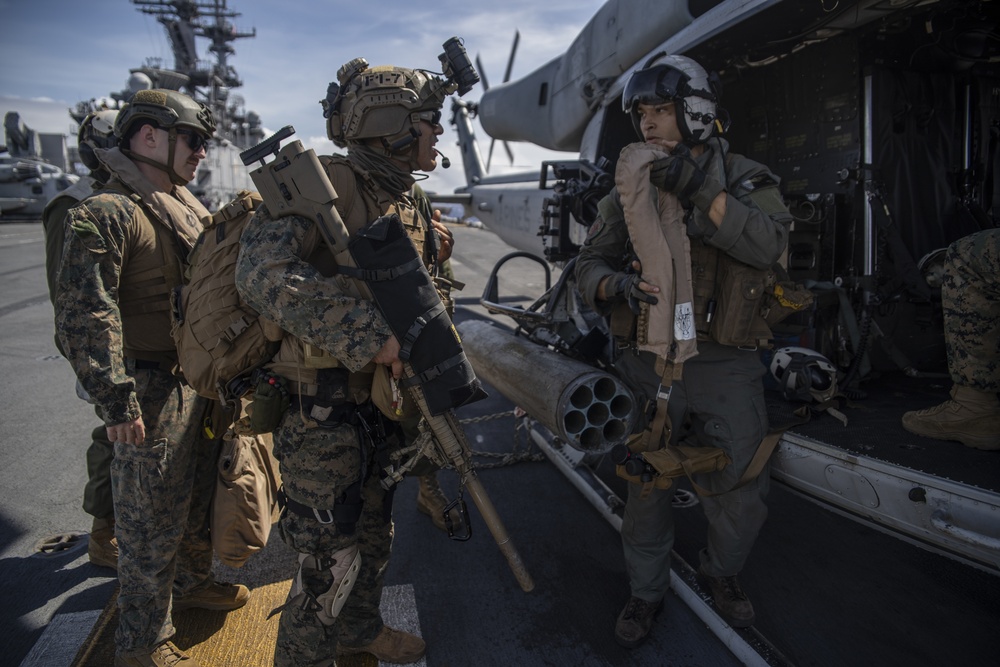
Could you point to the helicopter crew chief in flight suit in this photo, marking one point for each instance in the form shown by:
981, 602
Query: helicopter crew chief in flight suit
733, 214
338, 516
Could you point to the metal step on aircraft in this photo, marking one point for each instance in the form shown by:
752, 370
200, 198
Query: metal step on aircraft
880, 117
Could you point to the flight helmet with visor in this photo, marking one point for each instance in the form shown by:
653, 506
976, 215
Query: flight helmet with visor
684, 82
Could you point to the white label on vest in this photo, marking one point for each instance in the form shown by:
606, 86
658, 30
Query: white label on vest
684, 321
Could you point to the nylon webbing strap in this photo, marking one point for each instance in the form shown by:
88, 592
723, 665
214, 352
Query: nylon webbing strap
669, 372
379, 275
418, 325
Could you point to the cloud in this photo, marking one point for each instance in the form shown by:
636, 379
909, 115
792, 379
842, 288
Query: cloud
299, 44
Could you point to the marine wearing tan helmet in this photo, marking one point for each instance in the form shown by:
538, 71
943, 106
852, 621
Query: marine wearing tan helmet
168, 110
383, 106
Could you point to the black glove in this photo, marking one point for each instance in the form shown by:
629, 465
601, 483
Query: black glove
680, 174
625, 286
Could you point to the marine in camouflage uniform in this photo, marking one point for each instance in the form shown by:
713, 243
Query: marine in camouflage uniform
332, 440
124, 251
734, 214
970, 298
96, 131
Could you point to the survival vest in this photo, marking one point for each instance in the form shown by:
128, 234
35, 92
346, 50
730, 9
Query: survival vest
220, 339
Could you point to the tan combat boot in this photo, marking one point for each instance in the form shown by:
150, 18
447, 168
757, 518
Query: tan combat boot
971, 416
103, 547
432, 501
216, 596
164, 655
391, 645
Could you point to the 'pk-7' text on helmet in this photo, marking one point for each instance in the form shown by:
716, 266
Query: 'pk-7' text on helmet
684, 82
388, 102
168, 110
804, 374
96, 131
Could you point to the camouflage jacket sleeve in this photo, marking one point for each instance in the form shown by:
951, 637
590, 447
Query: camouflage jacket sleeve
273, 277
87, 316
604, 251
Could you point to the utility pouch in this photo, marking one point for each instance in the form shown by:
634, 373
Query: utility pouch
783, 299
739, 294
675, 461
331, 393
269, 404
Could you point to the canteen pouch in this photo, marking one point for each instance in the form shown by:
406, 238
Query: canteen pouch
269, 404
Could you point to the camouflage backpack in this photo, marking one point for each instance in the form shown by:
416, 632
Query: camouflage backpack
220, 339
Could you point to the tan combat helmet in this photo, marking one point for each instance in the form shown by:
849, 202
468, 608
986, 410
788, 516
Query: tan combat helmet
386, 103
96, 131
168, 110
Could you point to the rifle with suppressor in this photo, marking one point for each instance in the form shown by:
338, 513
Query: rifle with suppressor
390, 271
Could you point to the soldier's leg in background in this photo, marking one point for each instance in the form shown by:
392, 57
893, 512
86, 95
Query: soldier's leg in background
97, 501
194, 555
970, 297
151, 515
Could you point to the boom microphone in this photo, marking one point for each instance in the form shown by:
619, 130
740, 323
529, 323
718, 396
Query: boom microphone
445, 162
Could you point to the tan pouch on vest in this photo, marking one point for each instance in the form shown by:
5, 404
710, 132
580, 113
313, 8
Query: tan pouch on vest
245, 503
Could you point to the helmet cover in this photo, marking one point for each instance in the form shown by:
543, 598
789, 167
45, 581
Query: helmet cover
384, 102
166, 109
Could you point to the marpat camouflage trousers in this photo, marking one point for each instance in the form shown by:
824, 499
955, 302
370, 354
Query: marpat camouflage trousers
970, 297
162, 494
318, 465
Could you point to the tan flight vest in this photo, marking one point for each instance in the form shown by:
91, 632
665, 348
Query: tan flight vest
655, 223
734, 290
360, 201
165, 228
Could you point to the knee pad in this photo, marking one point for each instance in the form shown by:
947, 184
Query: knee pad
343, 567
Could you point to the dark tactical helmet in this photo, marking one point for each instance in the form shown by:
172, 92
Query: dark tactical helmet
166, 109
388, 102
684, 82
96, 131
804, 374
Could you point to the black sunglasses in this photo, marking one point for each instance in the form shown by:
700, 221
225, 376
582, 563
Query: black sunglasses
432, 117
195, 140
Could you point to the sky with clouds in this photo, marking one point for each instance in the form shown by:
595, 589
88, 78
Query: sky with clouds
54, 53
